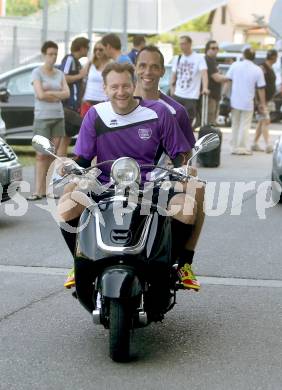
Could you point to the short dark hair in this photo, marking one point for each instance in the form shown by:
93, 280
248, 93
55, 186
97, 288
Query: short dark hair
138, 40
187, 38
118, 68
249, 54
207, 47
47, 45
152, 49
272, 53
112, 40
79, 43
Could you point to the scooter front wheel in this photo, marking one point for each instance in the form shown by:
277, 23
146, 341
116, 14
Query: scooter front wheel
120, 329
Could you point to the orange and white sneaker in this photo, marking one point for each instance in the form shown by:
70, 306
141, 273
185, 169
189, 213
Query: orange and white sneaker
70, 282
188, 278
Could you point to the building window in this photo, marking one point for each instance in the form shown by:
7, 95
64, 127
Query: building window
223, 15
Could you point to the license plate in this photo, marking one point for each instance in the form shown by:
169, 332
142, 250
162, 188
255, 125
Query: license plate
15, 174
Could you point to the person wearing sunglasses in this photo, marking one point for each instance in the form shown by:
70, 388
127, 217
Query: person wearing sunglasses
215, 80
94, 91
112, 47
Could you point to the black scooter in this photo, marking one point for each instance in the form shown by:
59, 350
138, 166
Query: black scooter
124, 269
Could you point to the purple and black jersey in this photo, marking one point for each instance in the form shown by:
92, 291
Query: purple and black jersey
181, 116
144, 134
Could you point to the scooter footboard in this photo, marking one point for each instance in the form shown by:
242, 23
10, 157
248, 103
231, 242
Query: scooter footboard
120, 282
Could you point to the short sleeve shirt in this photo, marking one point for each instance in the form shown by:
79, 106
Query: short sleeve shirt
133, 55
43, 109
144, 134
123, 58
214, 87
188, 75
246, 77
180, 114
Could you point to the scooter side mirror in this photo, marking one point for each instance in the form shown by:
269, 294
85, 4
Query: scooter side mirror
43, 145
204, 144
207, 143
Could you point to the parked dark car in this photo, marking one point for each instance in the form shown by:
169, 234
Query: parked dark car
16, 109
10, 172
17, 105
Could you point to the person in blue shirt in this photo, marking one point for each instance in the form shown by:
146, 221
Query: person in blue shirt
139, 43
112, 45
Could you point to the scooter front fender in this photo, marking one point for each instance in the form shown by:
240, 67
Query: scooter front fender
120, 283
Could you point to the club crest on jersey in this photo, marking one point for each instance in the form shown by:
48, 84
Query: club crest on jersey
113, 122
145, 134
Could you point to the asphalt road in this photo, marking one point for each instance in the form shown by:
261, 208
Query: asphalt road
228, 336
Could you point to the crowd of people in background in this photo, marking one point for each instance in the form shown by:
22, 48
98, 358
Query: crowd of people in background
113, 85
63, 96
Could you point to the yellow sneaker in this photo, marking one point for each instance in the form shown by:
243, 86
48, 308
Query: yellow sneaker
188, 278
70, 282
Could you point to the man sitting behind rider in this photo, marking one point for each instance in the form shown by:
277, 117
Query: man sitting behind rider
149, 69
112, 129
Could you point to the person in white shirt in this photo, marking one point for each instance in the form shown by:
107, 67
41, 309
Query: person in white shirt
246, 77
189, 72
94, 91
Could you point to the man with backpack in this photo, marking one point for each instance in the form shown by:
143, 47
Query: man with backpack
189, 72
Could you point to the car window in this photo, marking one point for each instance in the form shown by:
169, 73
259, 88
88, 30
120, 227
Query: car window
164, 81
223, 68
259, 60
225, 60
20, 84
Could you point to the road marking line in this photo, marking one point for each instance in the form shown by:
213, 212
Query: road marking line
228, 130
33, 270
205, 280
238, 282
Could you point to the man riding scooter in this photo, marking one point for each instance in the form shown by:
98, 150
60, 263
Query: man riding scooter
137, 128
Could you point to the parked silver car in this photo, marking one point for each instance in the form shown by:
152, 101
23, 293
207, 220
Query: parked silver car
10, 172
276, 174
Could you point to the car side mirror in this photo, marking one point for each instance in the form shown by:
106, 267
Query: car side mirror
4, 95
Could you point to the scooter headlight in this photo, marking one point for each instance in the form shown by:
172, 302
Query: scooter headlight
125, 170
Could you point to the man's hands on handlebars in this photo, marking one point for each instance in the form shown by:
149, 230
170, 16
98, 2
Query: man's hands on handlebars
192, 171
67, 166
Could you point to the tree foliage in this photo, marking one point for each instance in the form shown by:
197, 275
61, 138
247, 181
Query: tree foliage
24, 7
198, 24
20, 7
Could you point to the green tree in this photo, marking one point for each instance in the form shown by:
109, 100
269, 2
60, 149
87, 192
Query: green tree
20, 7
24, 7
198, 24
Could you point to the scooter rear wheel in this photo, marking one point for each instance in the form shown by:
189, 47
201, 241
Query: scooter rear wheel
120, 329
